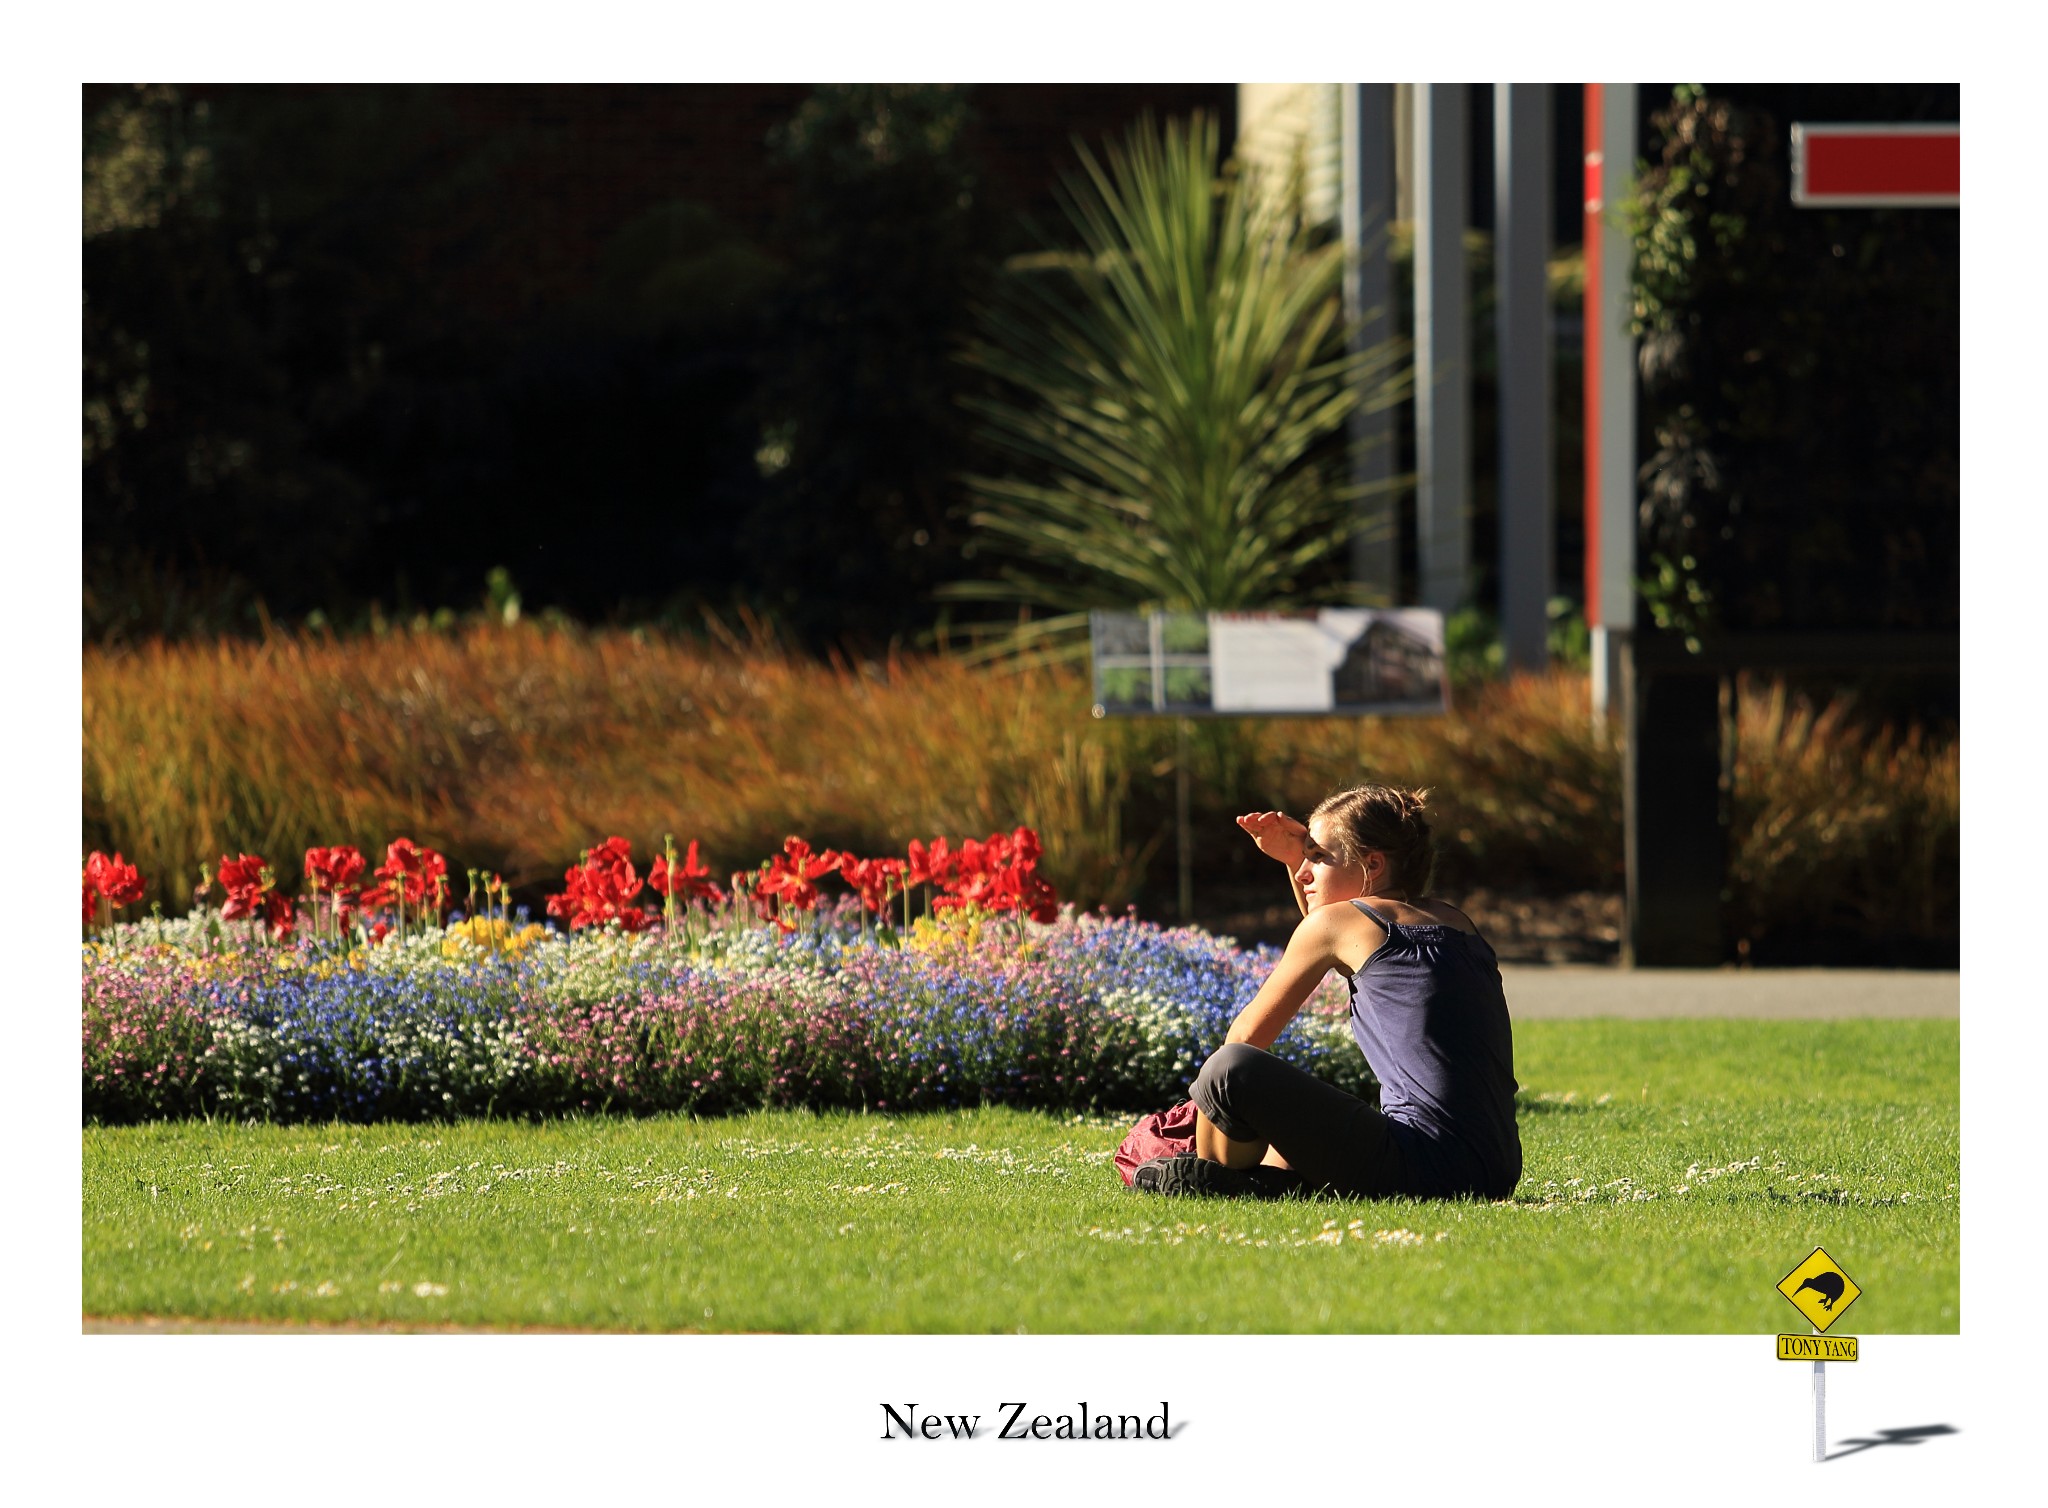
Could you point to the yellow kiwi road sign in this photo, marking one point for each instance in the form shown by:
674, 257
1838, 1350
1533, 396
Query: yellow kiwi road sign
1820, 1290
1816, 1348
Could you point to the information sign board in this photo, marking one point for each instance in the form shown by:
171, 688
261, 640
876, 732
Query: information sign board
1333, 663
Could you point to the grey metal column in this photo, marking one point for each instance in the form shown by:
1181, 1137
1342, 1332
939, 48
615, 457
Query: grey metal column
1366, 205
1521, 176
1443, 430
1613, 351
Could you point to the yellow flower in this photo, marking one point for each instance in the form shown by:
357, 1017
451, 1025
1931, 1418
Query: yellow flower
951, 934
489, 934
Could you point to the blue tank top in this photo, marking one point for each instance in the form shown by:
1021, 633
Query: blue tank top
1431, 1018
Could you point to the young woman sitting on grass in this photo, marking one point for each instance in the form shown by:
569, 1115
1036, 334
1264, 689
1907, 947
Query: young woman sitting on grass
1426, 1007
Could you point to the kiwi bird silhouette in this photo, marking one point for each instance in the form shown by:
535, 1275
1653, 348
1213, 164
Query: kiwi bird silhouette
1827, 1284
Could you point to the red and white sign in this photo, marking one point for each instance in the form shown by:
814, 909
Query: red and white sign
1848, 167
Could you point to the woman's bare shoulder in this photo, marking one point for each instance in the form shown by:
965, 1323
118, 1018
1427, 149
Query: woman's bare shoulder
1445, 912
1429, 911
1342, 933
1328, 924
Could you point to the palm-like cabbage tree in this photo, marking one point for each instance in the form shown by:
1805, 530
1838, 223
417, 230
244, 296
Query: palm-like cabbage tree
1167, 396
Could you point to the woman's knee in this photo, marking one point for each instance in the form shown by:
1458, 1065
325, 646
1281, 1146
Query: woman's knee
1224, 1076
1232, 1060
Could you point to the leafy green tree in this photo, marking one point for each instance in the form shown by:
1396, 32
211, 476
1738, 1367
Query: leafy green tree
1170, 398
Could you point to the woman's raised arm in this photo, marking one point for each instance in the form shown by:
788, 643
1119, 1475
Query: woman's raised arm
1279, 837
1311, 954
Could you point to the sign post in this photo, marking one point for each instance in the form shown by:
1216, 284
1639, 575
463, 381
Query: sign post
1339, 662
1820, 1290
1820, 1410
1184, 823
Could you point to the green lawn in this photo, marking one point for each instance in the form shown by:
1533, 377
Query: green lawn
1674, 1171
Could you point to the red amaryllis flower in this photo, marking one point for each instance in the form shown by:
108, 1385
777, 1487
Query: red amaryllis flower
780, 883
92, 900
1031, 891
412, 874
615, 854
123, 884
793, 874
251, 889
245, 881
874, 879
601, 888
1000, 874
610, 875
688, 880
114, 878
769, 888
334, 870
1015, 888
280, 913
972, 879
805, 862
929, 866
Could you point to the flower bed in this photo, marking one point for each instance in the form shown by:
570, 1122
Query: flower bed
707, 1014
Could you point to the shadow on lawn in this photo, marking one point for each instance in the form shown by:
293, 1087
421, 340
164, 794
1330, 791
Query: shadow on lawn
1527, 1103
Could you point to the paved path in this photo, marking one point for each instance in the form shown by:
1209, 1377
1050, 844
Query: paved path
1537, 990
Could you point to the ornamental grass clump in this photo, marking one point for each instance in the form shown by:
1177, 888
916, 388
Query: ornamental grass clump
514, 746
1841, 833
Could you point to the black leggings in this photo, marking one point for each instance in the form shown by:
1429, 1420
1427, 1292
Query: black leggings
1334, 1140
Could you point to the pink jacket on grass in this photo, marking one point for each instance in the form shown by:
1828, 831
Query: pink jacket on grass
1165, 1133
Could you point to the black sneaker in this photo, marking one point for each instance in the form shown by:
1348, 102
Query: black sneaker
1189, 1174
1273, 1183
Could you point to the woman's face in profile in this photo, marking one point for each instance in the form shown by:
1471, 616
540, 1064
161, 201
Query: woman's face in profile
1324, 880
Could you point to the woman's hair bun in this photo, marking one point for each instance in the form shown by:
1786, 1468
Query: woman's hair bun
1388, 818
